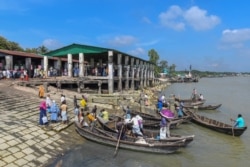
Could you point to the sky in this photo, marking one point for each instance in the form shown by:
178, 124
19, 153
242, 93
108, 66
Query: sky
209, 35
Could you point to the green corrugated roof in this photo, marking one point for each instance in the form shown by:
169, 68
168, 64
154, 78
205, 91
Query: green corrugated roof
76, 49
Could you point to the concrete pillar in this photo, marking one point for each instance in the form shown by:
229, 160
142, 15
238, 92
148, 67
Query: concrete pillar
141, 74
148, 72
70, 64
132, 87
100, 62
99, 88
81, 64
9, 62
28, 65
45, 65
127, 72
110, 74
137, 69
59, 66
92, 62
153, 75
119, 64
145, 75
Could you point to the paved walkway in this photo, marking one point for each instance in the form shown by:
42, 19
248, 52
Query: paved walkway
22, 141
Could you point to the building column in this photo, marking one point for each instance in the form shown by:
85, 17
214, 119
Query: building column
110, 74
9, 62
45, 65
153, 75
70, 64
137, 76
59, 66
81, 64
127, 73
28, 65
141, 74
119, 64
145, 74
132, 86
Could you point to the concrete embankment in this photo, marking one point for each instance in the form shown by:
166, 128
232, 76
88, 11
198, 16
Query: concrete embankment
25, 143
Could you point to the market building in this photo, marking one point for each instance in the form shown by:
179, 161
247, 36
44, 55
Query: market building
108, 69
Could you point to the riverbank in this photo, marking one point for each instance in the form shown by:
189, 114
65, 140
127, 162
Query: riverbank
24, 143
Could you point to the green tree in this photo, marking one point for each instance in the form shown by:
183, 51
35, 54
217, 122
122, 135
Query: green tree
163, 64
172, 69
42, 49
9, 45
31, 50
153, 58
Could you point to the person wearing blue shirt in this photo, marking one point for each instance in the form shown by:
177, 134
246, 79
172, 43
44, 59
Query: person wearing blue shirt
159, 105
239, 122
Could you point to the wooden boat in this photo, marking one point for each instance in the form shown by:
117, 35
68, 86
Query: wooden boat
197, 103
147, 124
146, 116
135, 144
148, 134
204, 107
214, 124
189, 100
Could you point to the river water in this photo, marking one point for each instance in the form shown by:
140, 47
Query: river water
209, 148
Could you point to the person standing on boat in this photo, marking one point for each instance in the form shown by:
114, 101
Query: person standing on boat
121, 128
140, 122
91, 120
135, 127
159, 105
194, 94
105, 115
239, 122
127, 113
164, 130
201, 97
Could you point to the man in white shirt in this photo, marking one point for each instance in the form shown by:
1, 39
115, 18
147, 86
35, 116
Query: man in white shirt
136, 129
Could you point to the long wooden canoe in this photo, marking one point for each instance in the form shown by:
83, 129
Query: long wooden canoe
148, 134
214, 124
135, 144
204, 107
157, 117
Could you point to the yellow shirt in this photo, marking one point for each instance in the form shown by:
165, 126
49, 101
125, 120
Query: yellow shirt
105, 115
83, 103
91, 117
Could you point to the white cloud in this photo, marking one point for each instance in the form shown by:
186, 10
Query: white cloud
51, 44
177, 18
236, 35
148, 43
199, 20
146, 20
172, 18
138, 52
237, 38
122, 40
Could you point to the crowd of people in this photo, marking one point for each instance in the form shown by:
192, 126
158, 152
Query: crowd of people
131, 122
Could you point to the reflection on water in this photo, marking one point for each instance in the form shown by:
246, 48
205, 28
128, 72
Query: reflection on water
209, 148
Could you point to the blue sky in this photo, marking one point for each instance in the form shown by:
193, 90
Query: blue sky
210, 35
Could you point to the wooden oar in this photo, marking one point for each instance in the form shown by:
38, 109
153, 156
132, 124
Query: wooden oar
118, 141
